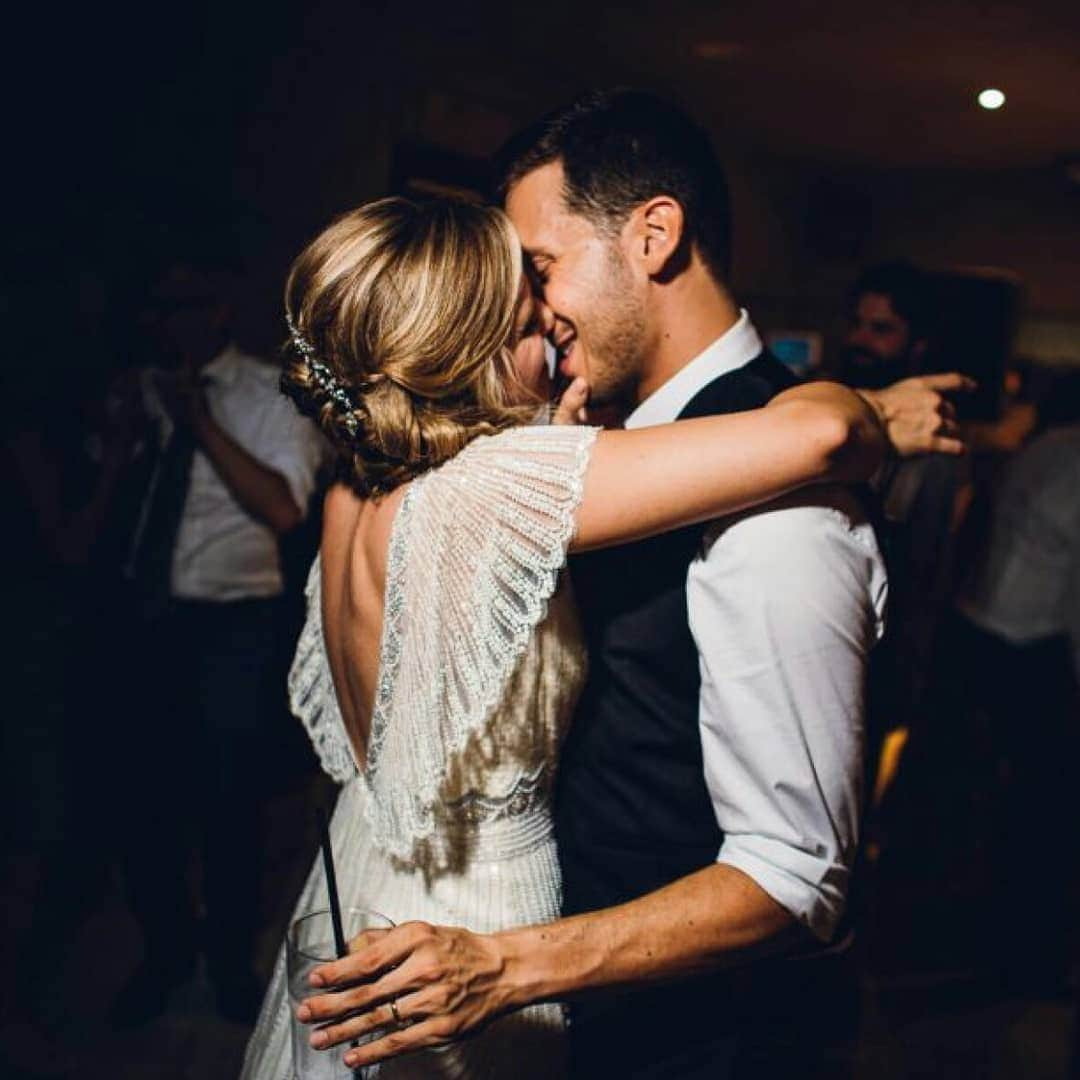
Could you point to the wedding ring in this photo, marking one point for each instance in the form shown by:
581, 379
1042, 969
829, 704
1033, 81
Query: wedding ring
397, 1016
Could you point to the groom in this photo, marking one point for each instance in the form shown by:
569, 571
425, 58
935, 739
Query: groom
709, 790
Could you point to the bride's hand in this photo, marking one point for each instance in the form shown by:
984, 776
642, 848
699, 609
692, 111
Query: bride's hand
917, 415
570, 408
420, 985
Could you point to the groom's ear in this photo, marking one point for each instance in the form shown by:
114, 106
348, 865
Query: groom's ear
655, 233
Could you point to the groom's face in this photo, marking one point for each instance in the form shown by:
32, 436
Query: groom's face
582, 275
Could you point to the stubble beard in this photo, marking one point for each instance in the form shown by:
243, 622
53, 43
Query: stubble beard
618, 340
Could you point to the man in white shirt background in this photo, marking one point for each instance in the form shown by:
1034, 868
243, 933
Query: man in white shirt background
894, 315
235, 469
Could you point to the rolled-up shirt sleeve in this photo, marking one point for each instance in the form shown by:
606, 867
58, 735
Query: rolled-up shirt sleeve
785, 605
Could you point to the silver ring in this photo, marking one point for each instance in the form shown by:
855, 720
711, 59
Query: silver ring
397, 1016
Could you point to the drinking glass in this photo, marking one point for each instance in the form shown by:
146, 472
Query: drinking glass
309, 943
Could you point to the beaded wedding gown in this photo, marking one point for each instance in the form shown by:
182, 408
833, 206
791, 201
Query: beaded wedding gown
481, 663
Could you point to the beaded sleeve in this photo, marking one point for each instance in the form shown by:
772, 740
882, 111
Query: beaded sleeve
311, 690
475, 556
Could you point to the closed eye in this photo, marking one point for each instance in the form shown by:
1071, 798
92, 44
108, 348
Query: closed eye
537, 267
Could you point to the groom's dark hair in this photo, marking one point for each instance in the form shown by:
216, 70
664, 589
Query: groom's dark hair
618, 149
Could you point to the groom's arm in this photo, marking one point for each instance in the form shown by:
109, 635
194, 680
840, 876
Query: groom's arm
784, 607
714, 918
447, 982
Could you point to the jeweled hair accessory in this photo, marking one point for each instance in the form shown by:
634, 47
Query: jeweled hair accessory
324, 378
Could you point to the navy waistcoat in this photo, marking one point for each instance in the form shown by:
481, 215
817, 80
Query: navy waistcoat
632, 810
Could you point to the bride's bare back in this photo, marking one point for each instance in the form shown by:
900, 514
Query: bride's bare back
354, 549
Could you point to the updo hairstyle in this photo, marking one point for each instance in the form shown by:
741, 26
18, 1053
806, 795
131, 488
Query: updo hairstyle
410, 307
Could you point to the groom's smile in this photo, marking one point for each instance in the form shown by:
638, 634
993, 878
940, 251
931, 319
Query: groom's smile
563, 340
580, 273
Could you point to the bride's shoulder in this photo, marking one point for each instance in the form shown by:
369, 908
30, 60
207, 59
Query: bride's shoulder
528, 443
497, 481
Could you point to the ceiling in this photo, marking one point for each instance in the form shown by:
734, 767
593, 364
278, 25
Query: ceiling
832, 80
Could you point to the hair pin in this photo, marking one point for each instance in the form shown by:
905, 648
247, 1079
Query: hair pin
324, 378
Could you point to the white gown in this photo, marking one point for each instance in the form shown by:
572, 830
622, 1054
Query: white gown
481, 664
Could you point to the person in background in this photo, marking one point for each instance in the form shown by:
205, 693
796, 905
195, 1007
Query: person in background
1019, 415
66, 461
891, 317
893, 313
232, 469
1019, 656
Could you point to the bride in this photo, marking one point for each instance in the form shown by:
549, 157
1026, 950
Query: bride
441, 657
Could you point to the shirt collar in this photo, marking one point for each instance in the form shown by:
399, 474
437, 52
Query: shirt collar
732, 349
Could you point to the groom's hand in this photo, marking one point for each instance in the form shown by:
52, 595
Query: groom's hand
417, 985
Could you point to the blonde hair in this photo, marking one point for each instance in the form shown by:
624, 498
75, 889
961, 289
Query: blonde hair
411, 307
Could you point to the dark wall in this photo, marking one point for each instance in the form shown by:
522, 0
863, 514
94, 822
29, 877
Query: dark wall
243, 128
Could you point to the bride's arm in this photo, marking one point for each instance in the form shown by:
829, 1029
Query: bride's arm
650, 480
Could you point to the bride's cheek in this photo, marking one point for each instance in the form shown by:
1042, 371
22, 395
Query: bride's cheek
530, 366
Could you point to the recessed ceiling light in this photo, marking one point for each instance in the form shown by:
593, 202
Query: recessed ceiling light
991, 99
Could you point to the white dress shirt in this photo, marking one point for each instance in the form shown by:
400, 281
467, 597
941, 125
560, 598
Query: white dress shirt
784, 604
222, 553
1029, 584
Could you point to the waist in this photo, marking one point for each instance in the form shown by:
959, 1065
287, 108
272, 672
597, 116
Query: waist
505, 835
482, 829
486, 878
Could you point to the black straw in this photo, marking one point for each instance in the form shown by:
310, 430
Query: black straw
331, 881
335, 901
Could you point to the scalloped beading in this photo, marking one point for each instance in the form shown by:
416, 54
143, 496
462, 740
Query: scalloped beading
390, 646
311, 691
401, 828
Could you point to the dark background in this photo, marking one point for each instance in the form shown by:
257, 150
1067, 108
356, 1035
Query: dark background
850, 130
